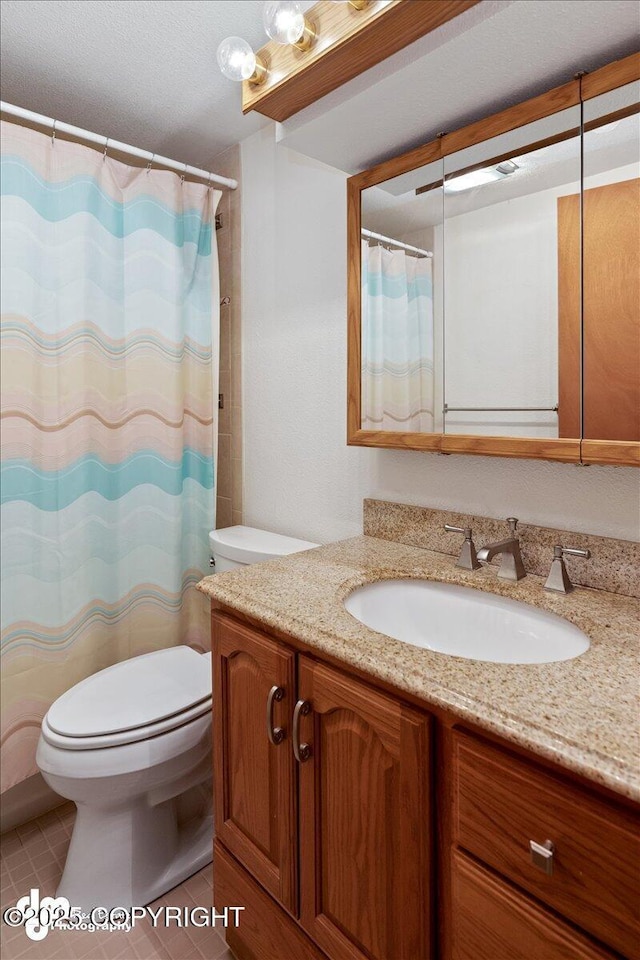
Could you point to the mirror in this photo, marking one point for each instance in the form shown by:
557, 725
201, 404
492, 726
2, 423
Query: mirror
505, 328
494, 283
401, 302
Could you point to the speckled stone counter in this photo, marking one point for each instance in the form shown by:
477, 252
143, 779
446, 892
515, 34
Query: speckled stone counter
582, 713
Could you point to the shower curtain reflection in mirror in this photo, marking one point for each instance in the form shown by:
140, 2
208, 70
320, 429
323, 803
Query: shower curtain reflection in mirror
397, 340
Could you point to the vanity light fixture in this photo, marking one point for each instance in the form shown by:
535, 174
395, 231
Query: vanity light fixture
477, 178
237, 61
285, 23
313, 51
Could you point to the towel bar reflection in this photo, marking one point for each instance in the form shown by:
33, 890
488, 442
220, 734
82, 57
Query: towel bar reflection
447, 409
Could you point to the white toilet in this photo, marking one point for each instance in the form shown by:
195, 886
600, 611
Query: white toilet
234, 547
129, 745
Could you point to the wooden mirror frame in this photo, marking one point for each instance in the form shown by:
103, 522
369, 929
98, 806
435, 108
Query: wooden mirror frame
567, 450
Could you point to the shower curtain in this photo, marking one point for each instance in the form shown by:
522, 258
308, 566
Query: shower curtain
109, 312
397, 340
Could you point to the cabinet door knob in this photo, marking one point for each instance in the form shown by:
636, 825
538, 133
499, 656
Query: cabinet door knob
542, 855
275, 734
301, 751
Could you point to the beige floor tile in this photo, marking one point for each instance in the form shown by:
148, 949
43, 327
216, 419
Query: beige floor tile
33, 856
10, 843
19, 872
11, 860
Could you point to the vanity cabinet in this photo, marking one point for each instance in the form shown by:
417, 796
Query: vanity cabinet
502, 803
328, 801
347, 810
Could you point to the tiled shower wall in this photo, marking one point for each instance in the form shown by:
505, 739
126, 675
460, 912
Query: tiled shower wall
229, 486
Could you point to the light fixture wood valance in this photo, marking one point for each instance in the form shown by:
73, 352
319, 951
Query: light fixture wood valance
348, 42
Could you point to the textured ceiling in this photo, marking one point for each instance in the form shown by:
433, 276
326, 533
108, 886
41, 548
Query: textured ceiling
144, 71
496, 54
140, 71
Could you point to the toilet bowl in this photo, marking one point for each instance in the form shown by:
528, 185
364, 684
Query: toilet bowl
126, 745
131, 746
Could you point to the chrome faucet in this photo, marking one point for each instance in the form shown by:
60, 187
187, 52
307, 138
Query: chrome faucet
558, 580
511, 565
467, 559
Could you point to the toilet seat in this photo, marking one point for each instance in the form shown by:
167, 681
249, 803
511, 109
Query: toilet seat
126, 736
133, 700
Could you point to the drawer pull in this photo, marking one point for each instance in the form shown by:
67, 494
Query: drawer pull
301, 751
542, 855
275, 734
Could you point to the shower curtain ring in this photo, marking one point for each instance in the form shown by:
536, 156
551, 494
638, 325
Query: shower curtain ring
104, 154
184, 174
150, 162
53, 134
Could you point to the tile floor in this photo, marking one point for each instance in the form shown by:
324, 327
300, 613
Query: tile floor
33, 856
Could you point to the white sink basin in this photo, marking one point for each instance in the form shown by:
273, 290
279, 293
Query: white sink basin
463, 622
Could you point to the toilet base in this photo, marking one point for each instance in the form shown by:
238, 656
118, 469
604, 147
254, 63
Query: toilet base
128, 856
195, 851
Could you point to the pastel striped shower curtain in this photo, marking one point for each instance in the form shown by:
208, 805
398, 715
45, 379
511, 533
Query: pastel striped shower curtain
109, 304
397, 340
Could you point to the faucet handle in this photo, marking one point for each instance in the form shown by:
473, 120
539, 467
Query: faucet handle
558, 580
560, 551
468, 559
513, 525
451, 529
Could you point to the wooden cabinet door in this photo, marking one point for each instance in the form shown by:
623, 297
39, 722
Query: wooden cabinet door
365, 832
609, 295
254, 779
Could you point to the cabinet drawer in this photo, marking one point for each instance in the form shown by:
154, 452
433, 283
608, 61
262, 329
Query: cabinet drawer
501, 803
492, 920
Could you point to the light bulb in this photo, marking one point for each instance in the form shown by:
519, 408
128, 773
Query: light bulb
283, 20
285, 23
237, 61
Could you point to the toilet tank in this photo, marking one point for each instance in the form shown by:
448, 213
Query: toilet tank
234, 547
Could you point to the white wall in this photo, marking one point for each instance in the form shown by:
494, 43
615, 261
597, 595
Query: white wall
500, 277
300, 476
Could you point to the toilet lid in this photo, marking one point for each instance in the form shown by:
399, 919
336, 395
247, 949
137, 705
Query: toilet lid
248, 545
134, 693
128, 736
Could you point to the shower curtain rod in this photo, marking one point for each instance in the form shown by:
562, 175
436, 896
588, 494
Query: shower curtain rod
398, 243
57, 127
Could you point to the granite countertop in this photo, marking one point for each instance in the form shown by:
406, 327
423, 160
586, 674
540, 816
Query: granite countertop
582, 713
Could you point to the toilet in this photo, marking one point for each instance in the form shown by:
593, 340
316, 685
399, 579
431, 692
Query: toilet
131, 746
234, 547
